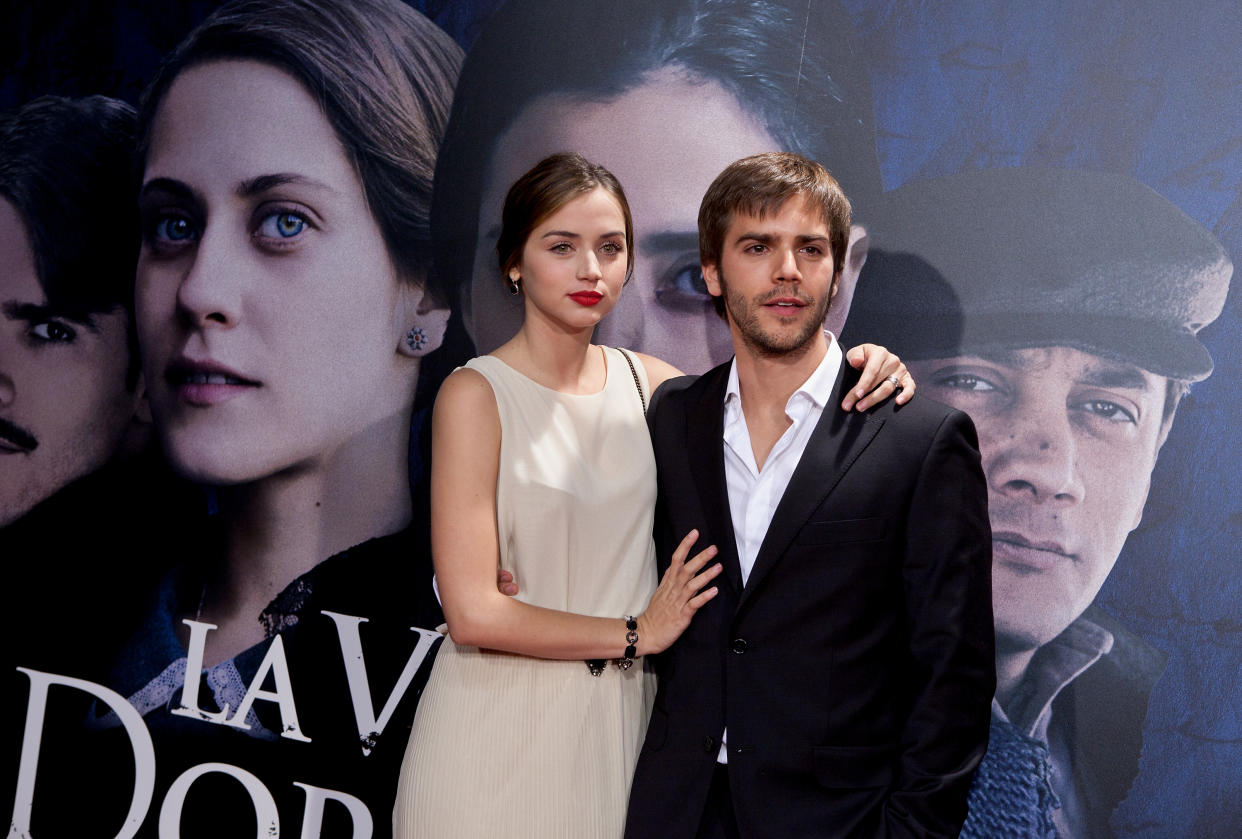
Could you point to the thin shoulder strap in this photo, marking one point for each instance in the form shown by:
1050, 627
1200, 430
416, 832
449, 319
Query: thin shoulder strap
637, 384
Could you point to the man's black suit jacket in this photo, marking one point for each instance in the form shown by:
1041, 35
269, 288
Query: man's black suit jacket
855, 669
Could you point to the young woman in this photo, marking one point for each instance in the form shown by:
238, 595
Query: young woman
283, 309
542, 466
672, 68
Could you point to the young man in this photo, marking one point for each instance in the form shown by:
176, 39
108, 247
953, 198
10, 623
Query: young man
87, 512
838, 684
1060, 310
77, 479
665, 102
68, 243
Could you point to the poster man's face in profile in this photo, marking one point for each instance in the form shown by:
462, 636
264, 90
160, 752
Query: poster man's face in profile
64, 404
1069, 441
665, 140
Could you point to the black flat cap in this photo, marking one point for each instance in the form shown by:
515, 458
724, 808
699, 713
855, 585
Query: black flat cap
1027, 257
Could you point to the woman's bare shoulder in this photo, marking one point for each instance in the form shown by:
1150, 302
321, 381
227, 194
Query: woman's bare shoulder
658, 371
466, 393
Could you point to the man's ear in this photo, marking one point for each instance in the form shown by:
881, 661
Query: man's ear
421, 322
855, 258
711, 278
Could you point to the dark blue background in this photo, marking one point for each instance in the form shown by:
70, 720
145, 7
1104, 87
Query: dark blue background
1150, 89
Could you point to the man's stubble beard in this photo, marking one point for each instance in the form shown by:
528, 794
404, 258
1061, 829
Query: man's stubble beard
759, 341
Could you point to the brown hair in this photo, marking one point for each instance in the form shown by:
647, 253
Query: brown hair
795, 67
64, 166
551, 184
761, 184
383, 75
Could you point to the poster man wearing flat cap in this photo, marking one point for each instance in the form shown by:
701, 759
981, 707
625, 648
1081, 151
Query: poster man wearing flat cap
1060, 310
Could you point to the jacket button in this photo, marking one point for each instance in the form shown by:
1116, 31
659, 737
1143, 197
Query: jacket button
739, 645
709, 744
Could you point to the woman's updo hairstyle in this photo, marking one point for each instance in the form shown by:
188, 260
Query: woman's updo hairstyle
551, 184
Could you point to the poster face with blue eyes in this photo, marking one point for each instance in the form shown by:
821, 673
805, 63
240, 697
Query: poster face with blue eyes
1047, 216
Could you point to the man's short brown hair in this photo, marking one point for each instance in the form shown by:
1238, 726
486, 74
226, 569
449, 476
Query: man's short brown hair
761, 184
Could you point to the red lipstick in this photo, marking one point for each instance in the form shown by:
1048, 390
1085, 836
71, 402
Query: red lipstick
586, 298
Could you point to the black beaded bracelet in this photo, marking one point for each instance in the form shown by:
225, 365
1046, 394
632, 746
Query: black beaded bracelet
626, 661
631, 643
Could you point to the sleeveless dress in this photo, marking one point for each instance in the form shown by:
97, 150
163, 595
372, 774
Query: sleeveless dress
507, 745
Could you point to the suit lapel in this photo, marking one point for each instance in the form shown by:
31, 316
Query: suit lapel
836, 442
704, 436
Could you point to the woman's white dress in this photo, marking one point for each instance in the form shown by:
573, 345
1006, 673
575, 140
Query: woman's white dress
511, 746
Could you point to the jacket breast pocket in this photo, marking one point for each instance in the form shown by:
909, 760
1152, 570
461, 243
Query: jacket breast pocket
842, 531
853, 767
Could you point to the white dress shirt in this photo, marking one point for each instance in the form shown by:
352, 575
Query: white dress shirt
754, 493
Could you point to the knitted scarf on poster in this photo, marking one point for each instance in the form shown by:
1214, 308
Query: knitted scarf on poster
1011, 796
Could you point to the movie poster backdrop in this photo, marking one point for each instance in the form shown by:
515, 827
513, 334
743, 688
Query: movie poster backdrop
1047, 216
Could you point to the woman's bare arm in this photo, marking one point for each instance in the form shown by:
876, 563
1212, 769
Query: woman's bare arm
658, 372
466, 550
874, 384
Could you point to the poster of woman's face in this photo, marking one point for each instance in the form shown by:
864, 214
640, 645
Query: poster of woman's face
255, 225
215, 373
